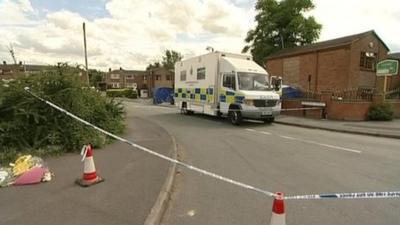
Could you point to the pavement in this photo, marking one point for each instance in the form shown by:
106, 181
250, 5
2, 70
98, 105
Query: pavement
276, 157
389, 129
132, 185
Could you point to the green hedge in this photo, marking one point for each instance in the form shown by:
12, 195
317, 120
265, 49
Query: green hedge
383, 112
128, 93
28, 125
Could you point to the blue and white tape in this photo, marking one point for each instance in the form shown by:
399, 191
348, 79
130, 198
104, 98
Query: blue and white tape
190, 167
355, 195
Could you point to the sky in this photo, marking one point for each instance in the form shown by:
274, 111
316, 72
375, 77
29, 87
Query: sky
133, 33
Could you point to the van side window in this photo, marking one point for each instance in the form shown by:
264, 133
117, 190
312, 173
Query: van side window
229, 81
183, 75
201, 73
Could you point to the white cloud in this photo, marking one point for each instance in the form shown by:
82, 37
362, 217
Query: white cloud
136, 32
343, 17
14, 12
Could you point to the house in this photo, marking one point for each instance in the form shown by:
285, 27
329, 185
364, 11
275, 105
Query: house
160, 77
150, 80
126, 79
339, 64
12, 71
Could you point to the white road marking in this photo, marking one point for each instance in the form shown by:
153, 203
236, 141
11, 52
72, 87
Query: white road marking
309, 142
251, 130
322, 144
334, 146
287, 137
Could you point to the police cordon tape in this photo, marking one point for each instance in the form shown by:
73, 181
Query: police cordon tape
190, 167
355, 195
298, 109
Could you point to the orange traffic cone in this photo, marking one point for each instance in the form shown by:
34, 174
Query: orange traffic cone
89, 171
278, 210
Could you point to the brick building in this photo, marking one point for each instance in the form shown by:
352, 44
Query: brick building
12, 71
126, 79
338, 64
161, 77
150, 80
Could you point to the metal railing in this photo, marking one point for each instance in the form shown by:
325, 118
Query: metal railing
393, 94
354, 95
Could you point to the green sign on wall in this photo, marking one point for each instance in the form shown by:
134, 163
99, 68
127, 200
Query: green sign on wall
388, 67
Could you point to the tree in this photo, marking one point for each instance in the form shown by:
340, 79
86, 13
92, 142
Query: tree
153, 65
168, 60
95, 77
281, 24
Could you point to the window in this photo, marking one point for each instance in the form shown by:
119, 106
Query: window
183, 75
129, 76
201, 73
114, 76
168, 77
158, 77
229, 81
253, 81
144, 77
115, 85
368, 60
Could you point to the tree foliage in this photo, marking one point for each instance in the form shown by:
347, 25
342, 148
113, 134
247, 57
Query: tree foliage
95, 77
281, 24
27, 124
169, 59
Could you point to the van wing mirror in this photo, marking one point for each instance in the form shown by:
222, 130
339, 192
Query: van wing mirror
276, 82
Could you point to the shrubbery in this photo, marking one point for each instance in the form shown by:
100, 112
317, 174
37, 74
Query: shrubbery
128, 93
29, 125
380, 112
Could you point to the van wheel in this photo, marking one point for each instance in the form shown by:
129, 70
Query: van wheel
219, 114
183, 108
235, 117
185, 111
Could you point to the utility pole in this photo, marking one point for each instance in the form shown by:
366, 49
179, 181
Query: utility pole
86, 63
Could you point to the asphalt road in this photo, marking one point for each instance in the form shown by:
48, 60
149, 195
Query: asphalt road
281, 158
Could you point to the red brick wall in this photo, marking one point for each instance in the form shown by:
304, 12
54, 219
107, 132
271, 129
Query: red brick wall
333, 69
331, 73
308, 66
354, 111
291, 104
274, 67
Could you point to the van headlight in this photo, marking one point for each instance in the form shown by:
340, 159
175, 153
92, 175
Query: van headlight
249, 102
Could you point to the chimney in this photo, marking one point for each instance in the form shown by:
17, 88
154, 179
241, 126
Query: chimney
109, 69
20, 63
120, 68
4, 63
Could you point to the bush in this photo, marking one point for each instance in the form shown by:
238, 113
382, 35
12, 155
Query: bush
128, 93
29, 125
381, 112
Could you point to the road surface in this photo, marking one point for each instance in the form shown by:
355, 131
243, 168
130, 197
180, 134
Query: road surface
281, 158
